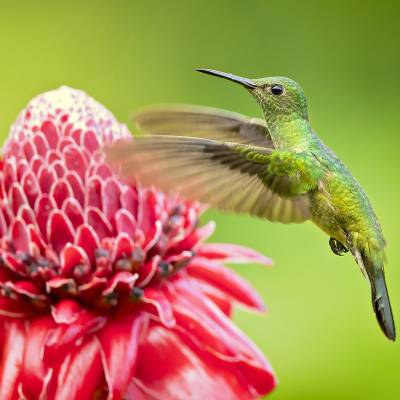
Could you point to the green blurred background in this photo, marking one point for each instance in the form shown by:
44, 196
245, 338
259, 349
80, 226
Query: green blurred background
320, 334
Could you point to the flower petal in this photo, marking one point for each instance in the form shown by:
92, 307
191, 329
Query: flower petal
135, 393
46, 176
80, 373
66, 311
51, 133
110, 194
170, 369
119, 343
125, 222
14, 308
59, 230
97, 220
19, 235
27, 215
233, 253
147, 271
26, 288
122, 281
212, 331
90, 141
193, 238
149, 218
43, 207
157, 303
74, 160
129, 200
215, 274
60, 191
40, 143
123, 246
73, 211
17, 197
14, 263
30, 186
74, 323
11, 360
87, 239
33, 373
220, 299
93, 193
71, 256
76, 184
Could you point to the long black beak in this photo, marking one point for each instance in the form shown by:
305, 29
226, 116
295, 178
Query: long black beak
247, 83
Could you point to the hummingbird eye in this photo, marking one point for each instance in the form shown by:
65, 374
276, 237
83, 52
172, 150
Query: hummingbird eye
277, 90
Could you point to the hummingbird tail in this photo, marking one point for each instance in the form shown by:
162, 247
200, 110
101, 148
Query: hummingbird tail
381, 302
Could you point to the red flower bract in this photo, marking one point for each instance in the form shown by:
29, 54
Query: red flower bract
107, 289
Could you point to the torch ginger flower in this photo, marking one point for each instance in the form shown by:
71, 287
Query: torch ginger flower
107, 290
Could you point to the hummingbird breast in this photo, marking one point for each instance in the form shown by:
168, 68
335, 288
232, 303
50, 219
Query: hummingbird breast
339, 206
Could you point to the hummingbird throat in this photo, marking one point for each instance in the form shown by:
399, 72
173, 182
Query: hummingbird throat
290, 133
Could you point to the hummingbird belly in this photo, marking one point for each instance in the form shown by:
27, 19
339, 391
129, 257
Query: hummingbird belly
336, 207
326, 218
340, 208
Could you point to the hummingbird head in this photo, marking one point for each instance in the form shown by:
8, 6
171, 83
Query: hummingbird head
279, 97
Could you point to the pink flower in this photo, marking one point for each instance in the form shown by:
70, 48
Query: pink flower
106, 289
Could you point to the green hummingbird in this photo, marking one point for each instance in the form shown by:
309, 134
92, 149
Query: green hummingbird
275, 168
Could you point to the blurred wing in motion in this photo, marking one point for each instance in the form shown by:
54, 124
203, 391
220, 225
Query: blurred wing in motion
229, 176
205, 122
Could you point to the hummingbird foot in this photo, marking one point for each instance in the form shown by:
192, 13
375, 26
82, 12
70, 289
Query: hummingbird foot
337, 247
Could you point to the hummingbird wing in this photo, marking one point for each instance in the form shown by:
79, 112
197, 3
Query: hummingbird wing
229, 176
206, 122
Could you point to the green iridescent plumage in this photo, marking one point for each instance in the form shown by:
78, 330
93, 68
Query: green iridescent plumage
275, 168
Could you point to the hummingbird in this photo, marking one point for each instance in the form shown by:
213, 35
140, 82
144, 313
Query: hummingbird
275, 168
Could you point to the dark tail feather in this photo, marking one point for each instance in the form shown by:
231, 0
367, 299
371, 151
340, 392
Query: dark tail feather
381, 303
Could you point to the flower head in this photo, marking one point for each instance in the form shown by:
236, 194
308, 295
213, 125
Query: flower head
107, 289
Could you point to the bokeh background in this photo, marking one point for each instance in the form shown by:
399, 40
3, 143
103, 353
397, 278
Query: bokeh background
320, 333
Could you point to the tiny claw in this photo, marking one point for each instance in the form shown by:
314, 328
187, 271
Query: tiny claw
337, 247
